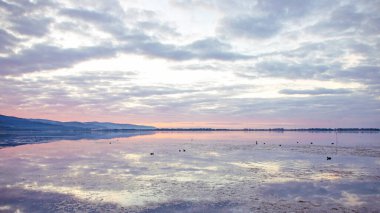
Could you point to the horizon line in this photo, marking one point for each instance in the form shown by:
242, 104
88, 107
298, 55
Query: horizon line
213, 128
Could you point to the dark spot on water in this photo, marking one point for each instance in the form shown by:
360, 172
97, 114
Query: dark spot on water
184, 206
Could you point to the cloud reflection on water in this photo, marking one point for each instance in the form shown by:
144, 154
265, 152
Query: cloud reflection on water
234, 170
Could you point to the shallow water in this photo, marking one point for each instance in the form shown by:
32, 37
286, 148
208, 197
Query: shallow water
194, 172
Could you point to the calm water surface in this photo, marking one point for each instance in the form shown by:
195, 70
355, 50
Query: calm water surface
192, 172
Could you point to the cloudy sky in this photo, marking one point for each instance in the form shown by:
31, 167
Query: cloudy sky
192, 63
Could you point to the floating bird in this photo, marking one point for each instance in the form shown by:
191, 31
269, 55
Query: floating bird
328, 158
179, 150
256, 142
184, 150
311, 143
264, 143
152, 153
332, 143
297, 141
280, 145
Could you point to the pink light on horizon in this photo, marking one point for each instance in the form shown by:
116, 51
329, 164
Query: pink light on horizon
163, 122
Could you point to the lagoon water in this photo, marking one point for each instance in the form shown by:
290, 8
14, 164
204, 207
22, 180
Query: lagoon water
191, 172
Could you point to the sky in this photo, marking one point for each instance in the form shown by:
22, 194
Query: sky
192, 63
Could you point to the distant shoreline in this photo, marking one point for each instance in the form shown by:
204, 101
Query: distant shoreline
200, 130
271, 129
18, 125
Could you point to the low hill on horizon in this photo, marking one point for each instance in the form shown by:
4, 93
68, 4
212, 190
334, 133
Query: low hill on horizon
11, 123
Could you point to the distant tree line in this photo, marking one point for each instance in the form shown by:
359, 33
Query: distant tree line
255, 129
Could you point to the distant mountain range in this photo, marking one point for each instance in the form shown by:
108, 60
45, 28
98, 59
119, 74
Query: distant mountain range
9, 123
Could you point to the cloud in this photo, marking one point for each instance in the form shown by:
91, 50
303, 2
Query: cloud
105, 22
251, 27
45, 57
285, 9
200, 67
211, 48
118, 92
332, 110
340, 20
138, 41
7, 7
369, 75
87, 15
7, 41
317, 91
133, 25
21, 7
31, 26
82, 89
290, 70
105, 89
204, 49
264, 19
26, 17
286, 69
127, 38
159, 50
